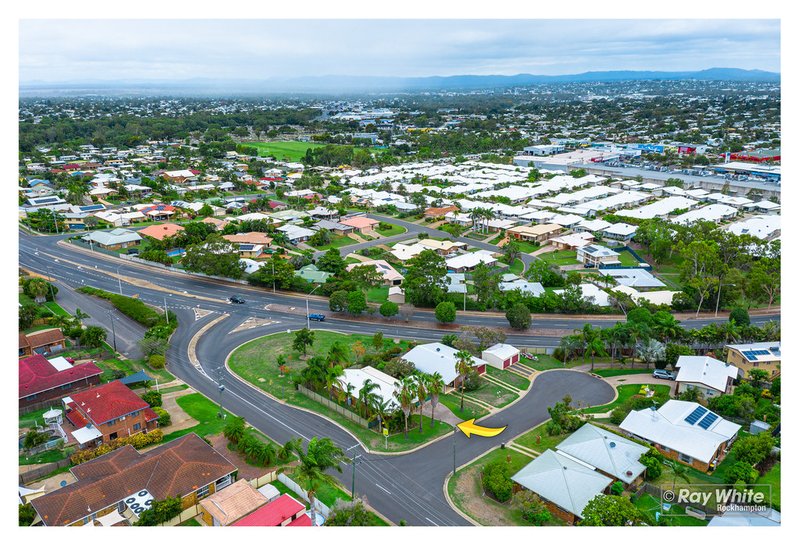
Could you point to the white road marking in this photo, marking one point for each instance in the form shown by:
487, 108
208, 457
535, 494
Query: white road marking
436, 524
387, 491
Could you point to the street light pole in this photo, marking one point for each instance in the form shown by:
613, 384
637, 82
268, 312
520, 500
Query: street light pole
273, 276
166, 313
455, 431
113, 330
119, 280
353, 488
308, 320
221, 413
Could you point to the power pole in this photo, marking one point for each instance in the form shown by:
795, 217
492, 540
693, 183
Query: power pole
221, 413
455, 431
166, 313
273, 276
353, 488
113, 330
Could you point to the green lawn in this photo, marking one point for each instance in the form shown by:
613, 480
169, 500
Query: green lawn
543, 362
495, 240
627, 259
203, 410
510, 378
648, 505
560, 257
49, 456
493, 394
378, 294
284, 151
251, 363
190, 523
337, 241
773, 478
626, 392
56, 308
537, 439
466, 491
527, 247
32, 418
471, 410
393, 230
176, 388
517, 267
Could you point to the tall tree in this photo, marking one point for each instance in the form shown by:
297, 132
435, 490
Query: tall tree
320, 456
464, 363
435, 386
425, 281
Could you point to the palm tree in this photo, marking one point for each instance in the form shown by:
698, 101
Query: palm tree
379, 408
422, 393
666, 326
404, 392
650, 351
678, 471
320, 456
365, 393
332, 375
463, 366
337, 354
286, 450
592, 342
435, 388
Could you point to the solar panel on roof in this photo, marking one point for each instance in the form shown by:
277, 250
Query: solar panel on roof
708, 420
693, 417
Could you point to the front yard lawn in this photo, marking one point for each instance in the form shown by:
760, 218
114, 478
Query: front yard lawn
773, 478
538, 440
613, 372
204, 411
493, 394
509, 377
542, 363
471, 410
648, 505
337, 241
625, 393
627, 259
560, 257
392, 231
378, 294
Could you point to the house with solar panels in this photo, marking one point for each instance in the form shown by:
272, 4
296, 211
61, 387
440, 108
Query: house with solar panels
761, 356
684, 431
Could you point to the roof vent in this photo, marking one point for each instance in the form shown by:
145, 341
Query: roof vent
629, 473
438, 349
612, 444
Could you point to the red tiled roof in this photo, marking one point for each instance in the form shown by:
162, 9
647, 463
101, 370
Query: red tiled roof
41, 338
173, 469
272, 514
302, 521
150, 415
75, 417
106, 402
161, 231
37, 375
359, 222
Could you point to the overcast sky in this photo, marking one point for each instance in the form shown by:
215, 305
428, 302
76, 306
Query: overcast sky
74, 50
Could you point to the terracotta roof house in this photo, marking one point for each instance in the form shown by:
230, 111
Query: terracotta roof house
251, 238
40, 380
108, 412
359, 222
216, 222
390, 275
161, 231
42, 342
187, 467
231, 504
285, 511
436, 212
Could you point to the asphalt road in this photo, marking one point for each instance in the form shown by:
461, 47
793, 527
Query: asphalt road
405, 487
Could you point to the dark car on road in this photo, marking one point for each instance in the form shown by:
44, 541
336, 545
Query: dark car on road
236, 299
316, 316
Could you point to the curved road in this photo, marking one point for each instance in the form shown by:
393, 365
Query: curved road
405, 487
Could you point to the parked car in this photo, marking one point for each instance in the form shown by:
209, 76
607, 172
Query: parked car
133, 251
236, 299
663, 374
316, 316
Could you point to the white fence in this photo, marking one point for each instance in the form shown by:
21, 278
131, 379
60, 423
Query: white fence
291, 484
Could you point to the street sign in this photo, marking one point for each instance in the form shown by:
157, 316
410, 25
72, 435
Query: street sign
385, 431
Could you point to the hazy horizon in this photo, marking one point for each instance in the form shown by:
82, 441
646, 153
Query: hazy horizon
53, 51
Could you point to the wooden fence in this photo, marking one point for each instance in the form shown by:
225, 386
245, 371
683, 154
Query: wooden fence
44, 470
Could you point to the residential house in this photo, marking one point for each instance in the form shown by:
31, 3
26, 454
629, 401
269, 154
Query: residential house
538, 233
501, 355
335, 227
390, 275
285, 511
251, 238
229, 505
610, 454
396, 295
41, 342
218, 224
705, 374
437, 357
760, 356
360, 223
620, 231
573, 241
107, 412
470, 260
439, 212
159, 213
443, 248
41, 380
534, 289
597, 256
108, 487
565, 485
358, 376
461, 219
313, 274
161, 231
683, 431
115, 239
296, 234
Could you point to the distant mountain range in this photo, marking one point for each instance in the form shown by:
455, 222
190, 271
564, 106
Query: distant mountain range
333, 84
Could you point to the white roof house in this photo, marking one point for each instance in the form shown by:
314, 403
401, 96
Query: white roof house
437, 357
711, 213
500, 355
591, 292
606, 451
534, 288
295, 233
563, 480
113, 237
470, 260
357, 378
706, 371
763, 227
685, 427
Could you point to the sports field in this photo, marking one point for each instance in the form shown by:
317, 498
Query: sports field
284, 151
